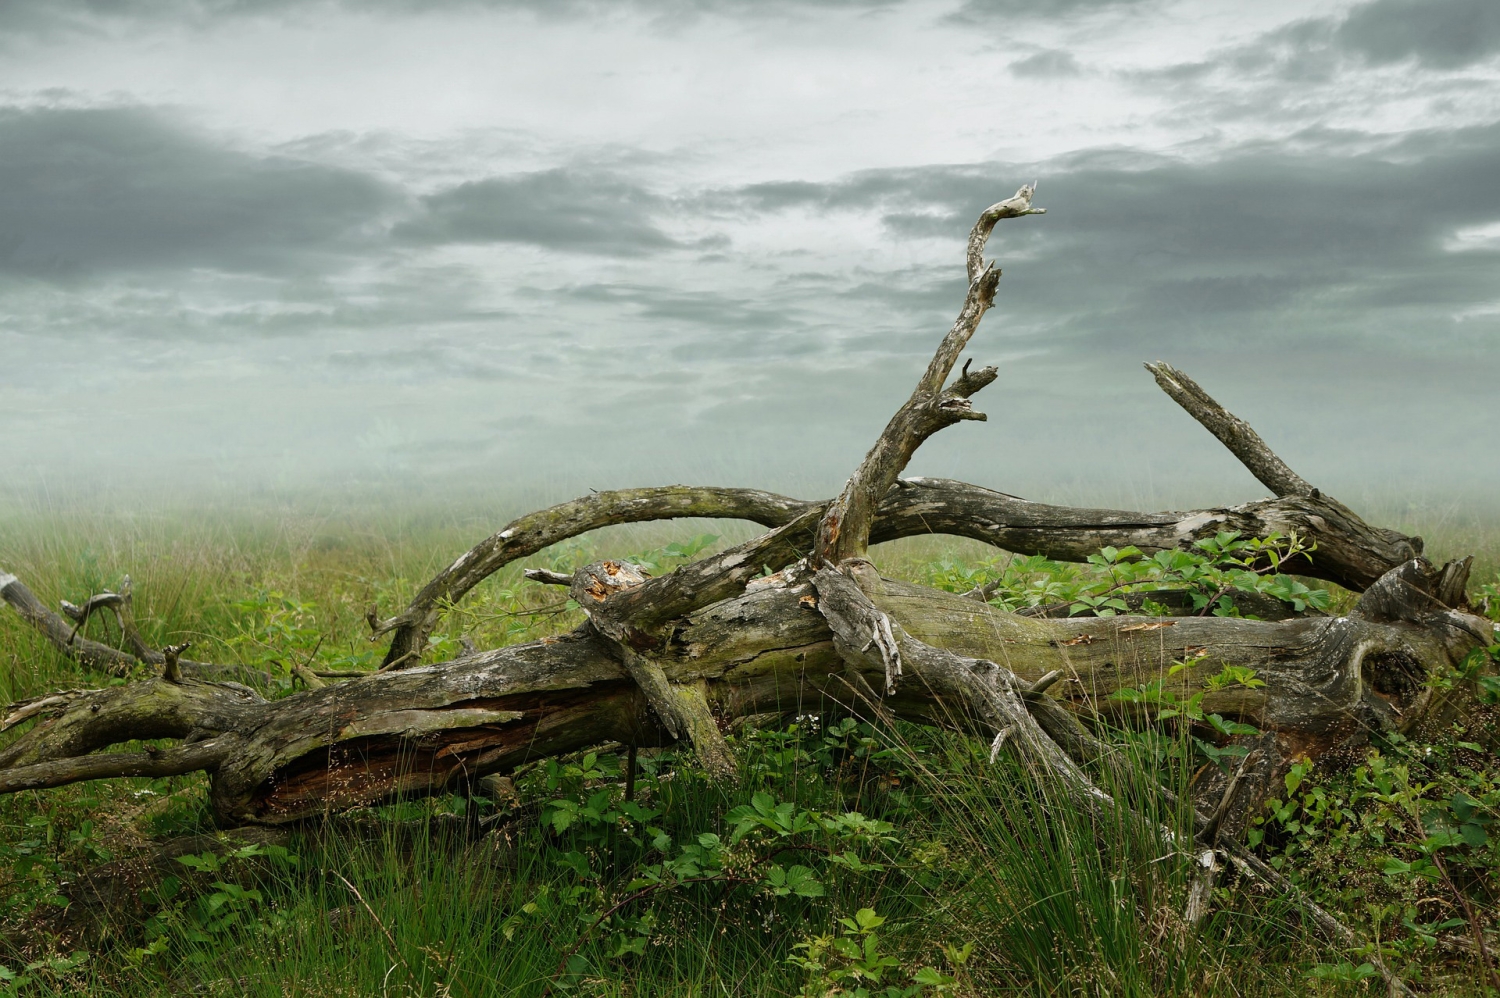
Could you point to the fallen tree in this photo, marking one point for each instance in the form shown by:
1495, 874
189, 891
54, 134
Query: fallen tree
681, 656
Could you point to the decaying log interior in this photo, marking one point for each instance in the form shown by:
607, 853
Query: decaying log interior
681, 656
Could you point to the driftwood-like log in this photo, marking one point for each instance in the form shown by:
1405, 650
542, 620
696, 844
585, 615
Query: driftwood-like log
642, 686
1349, 552
770, 650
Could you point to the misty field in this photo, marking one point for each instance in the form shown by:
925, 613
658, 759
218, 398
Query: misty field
846, 859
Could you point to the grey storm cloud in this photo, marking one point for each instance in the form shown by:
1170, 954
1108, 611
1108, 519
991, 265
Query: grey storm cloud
986, 11
666, 304
88, 190
20, 19
559, 209
1434, 35
1444, 34
1137, 248
1046, 63
1239, 227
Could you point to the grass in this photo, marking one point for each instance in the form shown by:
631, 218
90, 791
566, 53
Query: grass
522, 894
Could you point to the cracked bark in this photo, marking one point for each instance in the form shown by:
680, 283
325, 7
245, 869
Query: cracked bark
768, 650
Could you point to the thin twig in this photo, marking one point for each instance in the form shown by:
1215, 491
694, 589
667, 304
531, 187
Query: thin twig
395, 950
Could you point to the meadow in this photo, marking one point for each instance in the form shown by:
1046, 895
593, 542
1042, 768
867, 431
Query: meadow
849, 859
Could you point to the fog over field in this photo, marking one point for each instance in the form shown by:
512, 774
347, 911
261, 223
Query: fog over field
538, 247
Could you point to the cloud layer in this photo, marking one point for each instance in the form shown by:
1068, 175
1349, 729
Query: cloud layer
84, 191
728, 244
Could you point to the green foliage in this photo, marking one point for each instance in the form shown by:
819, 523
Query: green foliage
1486, 598
962, 877
1210, 574
626, 868
48, 970
188, 922
1410, 836
850, 962
1481, 667
1343, 972
1165, 704
669, 556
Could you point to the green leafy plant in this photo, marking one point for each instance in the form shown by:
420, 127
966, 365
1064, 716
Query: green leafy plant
51, 969
187, 919
659, 559
1343, 972
850, 962
1164, 704
1210, 573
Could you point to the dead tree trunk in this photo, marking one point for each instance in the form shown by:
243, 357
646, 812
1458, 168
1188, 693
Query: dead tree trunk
679, 656
771, 649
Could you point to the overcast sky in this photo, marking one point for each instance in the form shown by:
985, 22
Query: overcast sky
549, 246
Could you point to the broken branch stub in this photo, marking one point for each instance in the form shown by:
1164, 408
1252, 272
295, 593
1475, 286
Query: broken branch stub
682, 707
1234, 433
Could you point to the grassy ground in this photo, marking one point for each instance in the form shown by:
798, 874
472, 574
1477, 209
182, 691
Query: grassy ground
968, 881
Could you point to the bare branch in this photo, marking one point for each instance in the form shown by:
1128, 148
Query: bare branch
1332, 929
535, 531
1011, 207
635, 613
1349, 551
844, 530
547, 577
175, 761
1233, 432
92, 654
308, 676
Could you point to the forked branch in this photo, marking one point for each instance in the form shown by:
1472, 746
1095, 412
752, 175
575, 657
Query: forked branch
70, 640
844, 531
531, 533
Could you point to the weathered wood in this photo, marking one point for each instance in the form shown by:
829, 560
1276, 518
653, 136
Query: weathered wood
877, 505
95, 655
88, 653
681, 707
989, 694
535, 531
78, 722
768, 650
153, 762
1349, 551
1234, 433
844, 530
